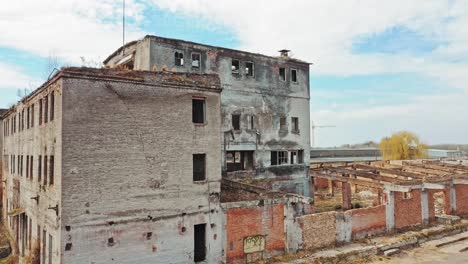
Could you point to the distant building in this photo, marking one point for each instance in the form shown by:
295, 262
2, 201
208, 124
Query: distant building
324, 155
445, 154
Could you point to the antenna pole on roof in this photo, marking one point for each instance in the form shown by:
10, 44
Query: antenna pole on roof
123, 24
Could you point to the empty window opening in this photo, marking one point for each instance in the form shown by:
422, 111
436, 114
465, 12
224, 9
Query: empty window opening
295, 124
251, 122
249, 68
44, 245
300, 156
68, 246
50, 249
239, 160
407, 195
282, 74
200, 242
32, 115
199, 164
40, 111
283, 123
294, 75
279, 157
52, 106
293, 157
149, 235
439, 203
110, 241
235, 67
198, 111
51, 170
179, 58
31, 166
28, 117
45, 170
39, 168
196, 61
236, 122
46, 109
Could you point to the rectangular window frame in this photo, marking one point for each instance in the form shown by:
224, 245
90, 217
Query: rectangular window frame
236, 122
294, 76
282, 74
179, 58
295, 124
235, 70
199, 175
252, 72
196, 117
199, 60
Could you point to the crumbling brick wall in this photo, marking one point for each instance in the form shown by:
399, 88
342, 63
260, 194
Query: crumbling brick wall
243, 223
318, 230
408, 211
368, 221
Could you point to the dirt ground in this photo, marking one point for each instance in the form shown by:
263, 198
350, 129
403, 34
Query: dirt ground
324, 202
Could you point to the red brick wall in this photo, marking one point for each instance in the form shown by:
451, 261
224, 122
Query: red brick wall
408, 211
368, 221
320, 183
267, 220
318, 230
462, 199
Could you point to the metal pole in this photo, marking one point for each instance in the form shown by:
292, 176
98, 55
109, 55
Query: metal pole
123, 24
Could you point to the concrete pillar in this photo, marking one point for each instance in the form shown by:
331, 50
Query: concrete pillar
347, 195
330, 188
453, 199
390, 211
424, 207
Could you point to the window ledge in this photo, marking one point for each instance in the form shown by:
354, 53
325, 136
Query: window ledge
296, 132
200, 182
200, 124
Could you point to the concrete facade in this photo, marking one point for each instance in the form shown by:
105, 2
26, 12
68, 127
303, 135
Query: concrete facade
258, 107
118, 186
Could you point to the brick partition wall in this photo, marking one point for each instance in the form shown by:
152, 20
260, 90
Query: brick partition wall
320, 183
266, 221
367, 221
462, 199
408, 211
318, 230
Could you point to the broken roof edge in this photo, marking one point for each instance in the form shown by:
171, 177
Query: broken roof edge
201, 44
208, 82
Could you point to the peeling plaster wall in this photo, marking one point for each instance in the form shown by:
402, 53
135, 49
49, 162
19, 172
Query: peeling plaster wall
128, 171
263, 95
45, 139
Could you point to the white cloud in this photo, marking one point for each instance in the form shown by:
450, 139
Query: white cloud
68, 28
13, 77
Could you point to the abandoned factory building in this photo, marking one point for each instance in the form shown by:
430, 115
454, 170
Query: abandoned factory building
265, 129
165, 155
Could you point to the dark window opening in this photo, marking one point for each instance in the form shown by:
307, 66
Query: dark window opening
39, 169
236, 122
50, 249
45, 170
300, 156
32, 115
198, 111
40, 111
68, 246
200, 242
251, 122
239, 160
31, 166
295, 124
51, 170
179, 58
199, 164
279, 157
294, 76
149, 235
52, 106
28, 117
249, 69
110, 241
282, 74
196, 62
235, 67
46, 109
293, 157
283, 123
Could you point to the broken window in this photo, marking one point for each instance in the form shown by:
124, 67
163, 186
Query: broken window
283, 123
282, 74
236, 121
199, 165
196, 61
279, 157
239, 160
251, 122
249, 68
294, 75
198, 111
199, 242
295, 124
179, 58
235, 67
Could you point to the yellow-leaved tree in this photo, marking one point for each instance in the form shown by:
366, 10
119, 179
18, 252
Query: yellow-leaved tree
403, 145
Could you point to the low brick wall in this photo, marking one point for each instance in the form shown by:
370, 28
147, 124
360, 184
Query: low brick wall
318, 230
320, 183
245, 228
368, 221
462, 199
408, 211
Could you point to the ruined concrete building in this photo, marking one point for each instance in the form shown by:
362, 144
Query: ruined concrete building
94, 168
145, 161
264, 105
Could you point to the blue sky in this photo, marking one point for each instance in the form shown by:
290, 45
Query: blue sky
382, 68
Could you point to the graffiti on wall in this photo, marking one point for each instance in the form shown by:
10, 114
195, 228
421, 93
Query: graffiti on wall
254, 244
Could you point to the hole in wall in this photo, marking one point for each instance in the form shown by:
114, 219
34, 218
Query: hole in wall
110, 241
149, 235
68, 246
68, 228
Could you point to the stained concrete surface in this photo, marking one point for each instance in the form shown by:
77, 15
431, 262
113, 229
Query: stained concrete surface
429, 253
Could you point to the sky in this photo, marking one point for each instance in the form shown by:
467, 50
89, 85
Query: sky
379, 66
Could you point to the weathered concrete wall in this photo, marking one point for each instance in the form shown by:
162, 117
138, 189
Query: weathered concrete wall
408, 211
128, 158
44, 139
263, 95
367, 221
318, 230
254, 232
